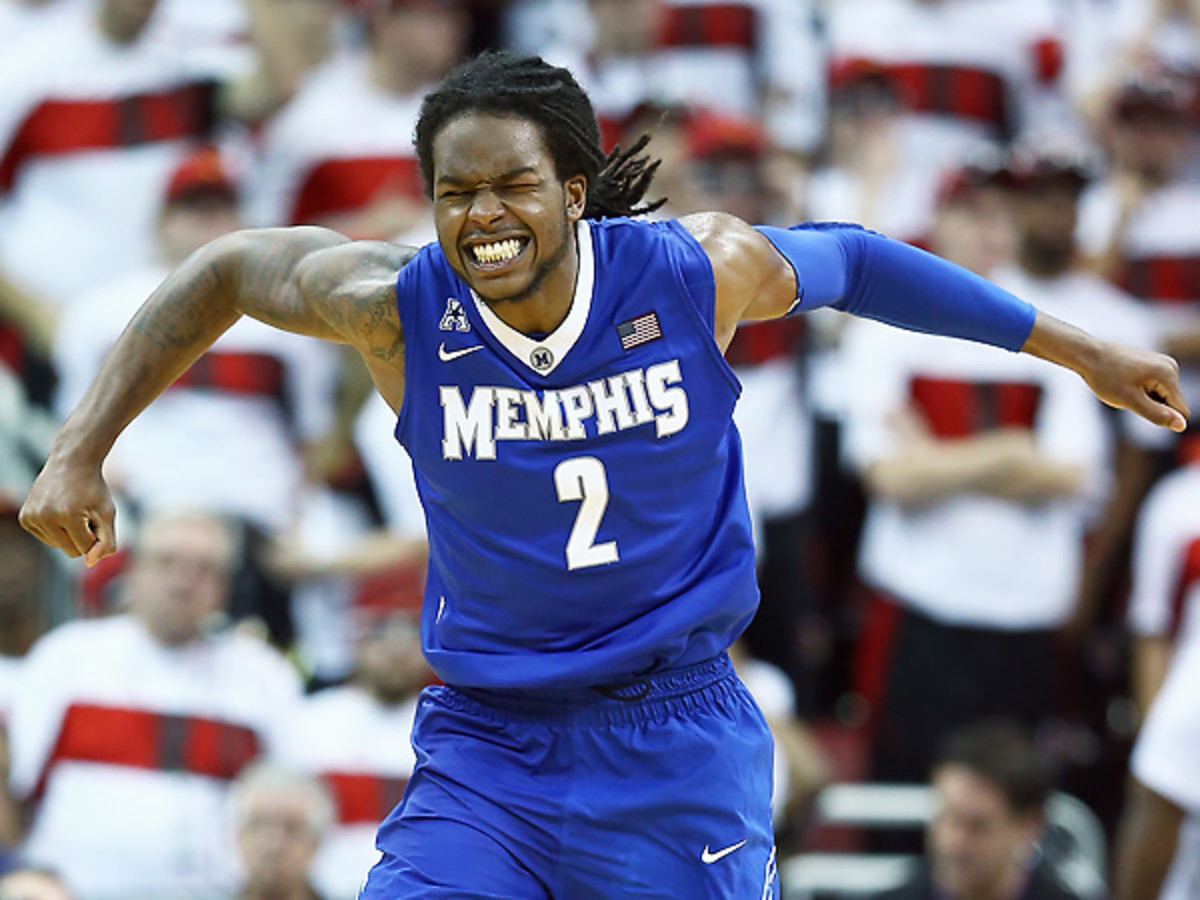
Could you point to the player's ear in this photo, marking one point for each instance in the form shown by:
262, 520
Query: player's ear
575, 197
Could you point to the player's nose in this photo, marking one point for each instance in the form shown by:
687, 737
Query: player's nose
486, 208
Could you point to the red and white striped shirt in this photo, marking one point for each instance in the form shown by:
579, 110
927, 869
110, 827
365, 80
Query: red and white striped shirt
128, 748
361, 749
89, 134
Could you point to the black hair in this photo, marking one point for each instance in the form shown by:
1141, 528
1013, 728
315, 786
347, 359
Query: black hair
1000, 752
529, 88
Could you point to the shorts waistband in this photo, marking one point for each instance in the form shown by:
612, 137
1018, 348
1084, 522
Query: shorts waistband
640, 699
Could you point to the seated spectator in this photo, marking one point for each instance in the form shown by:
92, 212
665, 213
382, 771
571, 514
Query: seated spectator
33, 884
281, 817
356, 739
982, 843
127, 731
87, 147
26, 574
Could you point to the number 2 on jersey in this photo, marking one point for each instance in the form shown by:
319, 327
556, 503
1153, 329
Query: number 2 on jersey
583, 478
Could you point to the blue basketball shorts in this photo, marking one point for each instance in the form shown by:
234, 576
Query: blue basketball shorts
658, 789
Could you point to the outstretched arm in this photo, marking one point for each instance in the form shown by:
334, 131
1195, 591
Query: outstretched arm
769, 272
306, 280
1123, 377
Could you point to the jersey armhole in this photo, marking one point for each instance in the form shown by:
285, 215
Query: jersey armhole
408, 296
693, 272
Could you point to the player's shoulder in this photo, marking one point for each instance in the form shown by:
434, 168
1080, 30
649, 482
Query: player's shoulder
713, 225
425, 275
344, 263
638, 244
732, 244
621, 232
356, 280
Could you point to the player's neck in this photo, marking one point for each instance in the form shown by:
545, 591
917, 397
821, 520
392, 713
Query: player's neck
545, 304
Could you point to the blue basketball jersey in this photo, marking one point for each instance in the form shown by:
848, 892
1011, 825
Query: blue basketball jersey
583, 492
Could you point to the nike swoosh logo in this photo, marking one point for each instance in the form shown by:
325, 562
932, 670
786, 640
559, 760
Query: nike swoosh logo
709, 858
447, 355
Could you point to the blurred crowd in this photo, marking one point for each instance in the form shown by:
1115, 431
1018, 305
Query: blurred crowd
946, 532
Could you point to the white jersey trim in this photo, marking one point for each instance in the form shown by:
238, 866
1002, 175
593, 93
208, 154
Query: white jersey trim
560, 341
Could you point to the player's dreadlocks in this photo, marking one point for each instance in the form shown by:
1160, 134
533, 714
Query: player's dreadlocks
531, 88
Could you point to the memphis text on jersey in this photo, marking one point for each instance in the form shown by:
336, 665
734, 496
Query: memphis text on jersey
628, 399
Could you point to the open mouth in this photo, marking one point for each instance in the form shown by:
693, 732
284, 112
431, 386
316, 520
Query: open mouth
490, 256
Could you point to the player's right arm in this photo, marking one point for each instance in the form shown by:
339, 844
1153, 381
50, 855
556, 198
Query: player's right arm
310, 281
766, 272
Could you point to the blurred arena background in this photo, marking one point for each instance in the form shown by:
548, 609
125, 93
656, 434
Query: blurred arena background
947, 534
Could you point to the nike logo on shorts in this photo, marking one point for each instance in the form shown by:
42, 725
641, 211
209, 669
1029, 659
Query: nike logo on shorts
447, 355
708, 858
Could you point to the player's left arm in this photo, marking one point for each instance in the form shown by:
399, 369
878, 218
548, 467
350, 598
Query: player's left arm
765, 272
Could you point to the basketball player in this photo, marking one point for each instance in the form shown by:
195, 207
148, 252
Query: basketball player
556, 370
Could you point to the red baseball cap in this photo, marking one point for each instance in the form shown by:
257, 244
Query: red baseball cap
1035, 166
981, 170
722, 136
201, 173
1160, 95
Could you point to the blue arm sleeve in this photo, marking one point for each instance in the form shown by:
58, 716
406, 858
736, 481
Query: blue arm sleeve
864, 273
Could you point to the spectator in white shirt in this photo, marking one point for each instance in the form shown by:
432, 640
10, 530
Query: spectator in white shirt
127, 731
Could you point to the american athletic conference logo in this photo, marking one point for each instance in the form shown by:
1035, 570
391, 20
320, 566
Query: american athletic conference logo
455, 317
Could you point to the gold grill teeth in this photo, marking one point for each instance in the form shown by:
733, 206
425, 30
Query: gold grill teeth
501, 250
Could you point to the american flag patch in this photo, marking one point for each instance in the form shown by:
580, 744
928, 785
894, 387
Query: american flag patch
639, 330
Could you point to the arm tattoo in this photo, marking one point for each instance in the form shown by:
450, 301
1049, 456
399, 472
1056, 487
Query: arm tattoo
177, 325
375, 315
